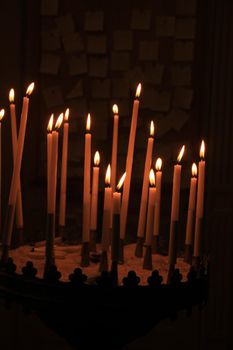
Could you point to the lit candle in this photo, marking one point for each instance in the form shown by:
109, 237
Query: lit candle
174, 214
19, 207
49, 149
156, 229
8, 226
94, 200
106, 220
147, 263
114, 147
116, 210
190, 217
2, 112
86, 195
62, 209
200, 202
52, 165
129, 164
144, 196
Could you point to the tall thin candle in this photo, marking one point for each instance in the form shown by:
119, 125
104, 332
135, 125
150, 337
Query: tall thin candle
144, 196
200, 203
86, 195
19, 207
156, 229
8, 226
62, 209
94, 200
114, 147
129, 164
49, 151
2, 112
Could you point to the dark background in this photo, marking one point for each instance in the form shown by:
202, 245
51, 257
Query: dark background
209, 115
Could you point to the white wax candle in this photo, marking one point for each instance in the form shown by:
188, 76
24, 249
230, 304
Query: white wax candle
87, 183
62, 209
2, 112
114, 147
49, 152
150, 210
144, 196
19, 208
200, 201
191, 206
95, 191
107, 211
158, 197
129, 164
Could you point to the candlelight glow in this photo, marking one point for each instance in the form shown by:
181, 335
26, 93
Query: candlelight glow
138, 91
59, 121
181, 154
202, 149
88, 125
152, 128
67, 113
194, 169
158, 164
108, 175
50, 123
11, 95
152, 177
30, 89
121, 182
2, 112
97, 158
115, 109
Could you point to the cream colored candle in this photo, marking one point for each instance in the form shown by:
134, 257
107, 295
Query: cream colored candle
144, 196
200, 200
129, 164
19, 207
107, 211
62, 209
150, 209
17, 168
117, 196
87, 183
53, 164
49, 151
114, 147
158, 176
95, 191
2, 112
175, 208
191, 206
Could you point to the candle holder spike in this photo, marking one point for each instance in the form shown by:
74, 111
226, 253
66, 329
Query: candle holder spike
147, 262
139, 247
155, 244
85, 254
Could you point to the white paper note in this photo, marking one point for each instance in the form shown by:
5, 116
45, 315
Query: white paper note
181, 75
183, 51
183, 98
165, 26
76, 91
141, 19
72, 42
65, 24
96, 44
123, 40
53, 96
153, 74
120, 61
49, 8
100, 88
120, 88
185, 28
50, 40
49, 64
98, 67
185, 7
148, 50
78, 65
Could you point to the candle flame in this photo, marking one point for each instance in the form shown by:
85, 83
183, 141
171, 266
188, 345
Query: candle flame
194, 169
2, 113
67, 113
50, 123
181, 154
158, 164
121, 182
88, 124
97, 158
108, 175
202, 149
115, 109
152, 128
152, 177
30, 89
138, 91
11, 95
59, 121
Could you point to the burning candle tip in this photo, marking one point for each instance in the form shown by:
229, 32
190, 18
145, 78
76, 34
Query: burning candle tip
11, 95
97, 158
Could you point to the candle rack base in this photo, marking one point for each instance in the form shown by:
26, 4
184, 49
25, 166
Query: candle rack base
114, 273
188, 250
49, 247
93, 238
121, 252
155, 245
147, 262
17, 238
170, 273
85, 254
139, 247
103, 262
